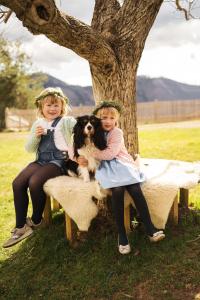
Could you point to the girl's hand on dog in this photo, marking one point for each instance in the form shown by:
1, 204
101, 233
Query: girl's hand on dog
40, 131
82, 161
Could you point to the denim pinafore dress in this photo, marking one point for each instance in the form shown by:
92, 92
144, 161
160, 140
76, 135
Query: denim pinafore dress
48, 152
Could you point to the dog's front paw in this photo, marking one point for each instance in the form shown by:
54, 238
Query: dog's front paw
86, 179
71, 173
84, 173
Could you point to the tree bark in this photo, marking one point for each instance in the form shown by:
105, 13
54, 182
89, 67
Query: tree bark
2, 118
118, 86
113, 45
125, 29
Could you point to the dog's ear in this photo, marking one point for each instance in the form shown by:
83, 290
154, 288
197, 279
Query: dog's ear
78, 138
99, 138
79, 118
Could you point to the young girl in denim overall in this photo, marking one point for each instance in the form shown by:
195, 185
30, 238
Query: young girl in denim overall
49, 139
119, 172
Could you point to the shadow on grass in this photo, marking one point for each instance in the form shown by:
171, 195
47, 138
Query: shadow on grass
46, 267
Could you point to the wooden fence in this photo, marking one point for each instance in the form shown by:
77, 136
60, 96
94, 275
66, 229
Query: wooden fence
147, 112
168, 111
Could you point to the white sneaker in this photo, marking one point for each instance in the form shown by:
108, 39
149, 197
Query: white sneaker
18, 235
124, 249
31, 224
157, 236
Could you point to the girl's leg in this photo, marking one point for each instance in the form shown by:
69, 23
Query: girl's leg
37, 193
118, 209
20, 186
140, 202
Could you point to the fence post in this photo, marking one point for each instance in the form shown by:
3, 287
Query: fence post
155, 102
20, 122
6, 116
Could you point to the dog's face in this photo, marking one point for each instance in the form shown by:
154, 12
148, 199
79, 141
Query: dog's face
88, 124
90, 127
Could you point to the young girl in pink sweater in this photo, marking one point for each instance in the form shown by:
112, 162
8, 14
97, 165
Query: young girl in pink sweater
119, 172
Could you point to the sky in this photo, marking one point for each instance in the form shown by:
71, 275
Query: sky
172, 49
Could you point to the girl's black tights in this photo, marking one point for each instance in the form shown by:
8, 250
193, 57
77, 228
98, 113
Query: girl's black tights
118, 208
32, 177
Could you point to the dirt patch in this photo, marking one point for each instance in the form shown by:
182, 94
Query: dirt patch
142, 291
184, 124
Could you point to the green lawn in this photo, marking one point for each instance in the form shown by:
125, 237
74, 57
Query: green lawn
45, 267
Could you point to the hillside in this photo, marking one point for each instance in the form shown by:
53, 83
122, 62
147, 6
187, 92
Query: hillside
78, 95
148, 89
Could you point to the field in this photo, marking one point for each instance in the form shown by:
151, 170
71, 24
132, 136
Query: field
45, 267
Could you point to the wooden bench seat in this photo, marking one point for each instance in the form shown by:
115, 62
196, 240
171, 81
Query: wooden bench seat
71, 228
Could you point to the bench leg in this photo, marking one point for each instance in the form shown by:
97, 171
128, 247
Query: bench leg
56, 205
184, 196
69, 224
127, 218
71, 229
47, 211
174, 211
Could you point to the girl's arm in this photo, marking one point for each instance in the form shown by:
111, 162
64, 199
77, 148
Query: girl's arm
68, 125
115, 142
71, 122
33, 140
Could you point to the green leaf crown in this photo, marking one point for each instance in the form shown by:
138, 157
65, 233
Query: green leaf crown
51, 91
104, 104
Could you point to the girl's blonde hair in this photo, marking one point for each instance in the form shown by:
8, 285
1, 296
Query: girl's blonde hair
53, 95
108, 110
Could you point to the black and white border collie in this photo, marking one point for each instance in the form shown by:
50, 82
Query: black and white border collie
88, 136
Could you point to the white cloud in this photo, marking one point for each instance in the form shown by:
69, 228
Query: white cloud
182, 64
175, 36
81, 10
171, 29
76, 72
13, 30
172, 48
46, 53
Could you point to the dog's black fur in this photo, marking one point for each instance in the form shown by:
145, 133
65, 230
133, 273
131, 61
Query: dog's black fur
97, 136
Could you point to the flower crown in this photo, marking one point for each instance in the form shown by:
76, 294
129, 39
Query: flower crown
51, 92
105, 104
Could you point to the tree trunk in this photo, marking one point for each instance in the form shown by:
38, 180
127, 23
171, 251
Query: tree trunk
119, 84
2, 118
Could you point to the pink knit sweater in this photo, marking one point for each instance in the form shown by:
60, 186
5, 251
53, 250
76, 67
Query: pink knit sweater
115, 147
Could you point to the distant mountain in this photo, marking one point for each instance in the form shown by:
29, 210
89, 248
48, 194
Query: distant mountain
148, 89
78, 95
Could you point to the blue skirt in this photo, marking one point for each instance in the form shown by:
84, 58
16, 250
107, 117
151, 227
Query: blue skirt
113, 173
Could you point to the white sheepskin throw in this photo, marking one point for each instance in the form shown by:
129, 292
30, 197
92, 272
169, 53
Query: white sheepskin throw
75, 196
163, 180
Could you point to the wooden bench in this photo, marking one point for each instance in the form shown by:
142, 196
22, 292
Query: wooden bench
71, 228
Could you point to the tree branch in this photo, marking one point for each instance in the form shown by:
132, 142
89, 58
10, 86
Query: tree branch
136, 18
43, 17
7, 16
104, 13
179, 7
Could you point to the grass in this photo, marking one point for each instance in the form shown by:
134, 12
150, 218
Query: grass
45, 267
